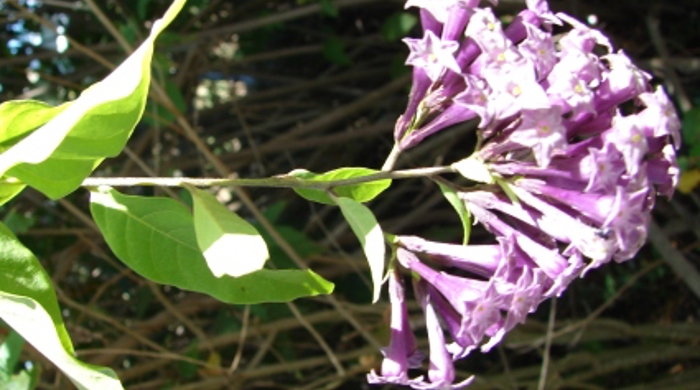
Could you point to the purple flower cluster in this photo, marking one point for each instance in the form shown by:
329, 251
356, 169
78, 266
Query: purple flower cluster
575, 143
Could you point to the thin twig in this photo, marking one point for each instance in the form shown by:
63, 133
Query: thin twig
319, 339
105, 318
198, 332
137, 352
675, 259
241, 342
548, 344
660, 46
109, 26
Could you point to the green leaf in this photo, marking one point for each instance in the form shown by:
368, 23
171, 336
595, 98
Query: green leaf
57, 157
334, 51
155, 237
142, 9
9, 188
691, 129
10, 350
157, 113
398, 26
368, 231
18, 222
508, 190
28, 304
363, 192
19, 117
29, 318
329, 8
452, 197
230, 244
24, 380
21, 274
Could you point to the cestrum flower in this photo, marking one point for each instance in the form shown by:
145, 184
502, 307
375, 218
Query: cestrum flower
565, 175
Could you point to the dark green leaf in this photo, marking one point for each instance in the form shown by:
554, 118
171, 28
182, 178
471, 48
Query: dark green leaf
334, 51
397, 26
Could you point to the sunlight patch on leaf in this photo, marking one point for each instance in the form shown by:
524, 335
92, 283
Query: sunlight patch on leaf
230, 244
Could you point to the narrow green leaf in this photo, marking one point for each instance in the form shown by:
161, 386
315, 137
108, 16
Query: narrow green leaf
368, 231
56, 158
359, 192
28, 304
230, 244
29, 318
508, 190
155, 237
20, 117
464, 215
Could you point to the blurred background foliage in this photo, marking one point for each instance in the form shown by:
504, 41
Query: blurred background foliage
276, 85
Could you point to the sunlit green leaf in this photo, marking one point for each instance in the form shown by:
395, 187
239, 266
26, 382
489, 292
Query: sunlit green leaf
28, 304
156, 238
19, 117
452, 197
230, 244
363, 192
56, 157
10, 349
367, 229
29, 318
9, 188
21, 274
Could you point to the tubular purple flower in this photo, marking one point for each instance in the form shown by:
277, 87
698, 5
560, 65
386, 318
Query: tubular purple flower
565, 182
432, 54
441, 372
482, 260
401, 354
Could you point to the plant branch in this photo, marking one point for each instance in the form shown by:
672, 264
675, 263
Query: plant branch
281, 181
